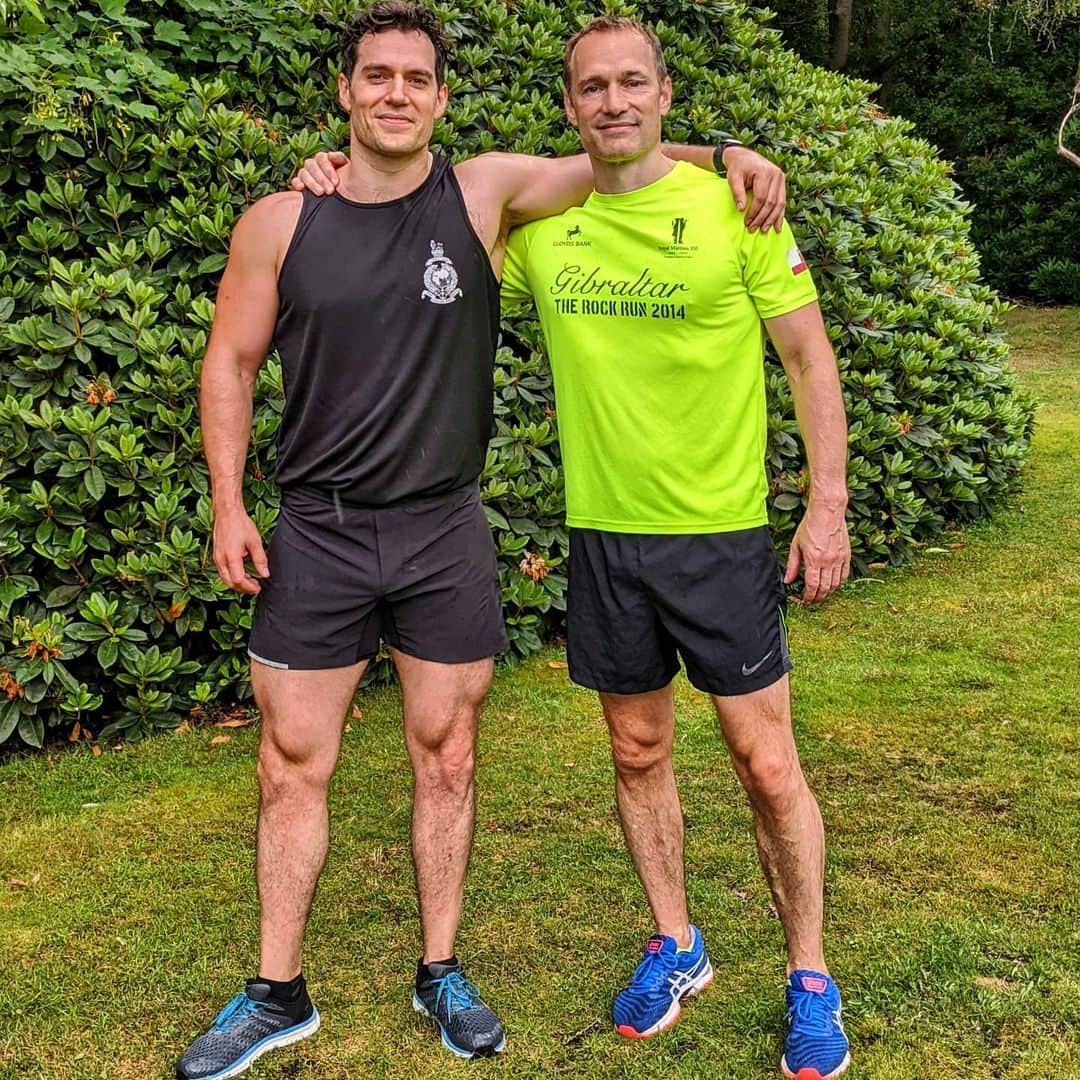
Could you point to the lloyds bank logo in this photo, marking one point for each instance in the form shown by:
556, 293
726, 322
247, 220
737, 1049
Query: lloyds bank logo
574, 238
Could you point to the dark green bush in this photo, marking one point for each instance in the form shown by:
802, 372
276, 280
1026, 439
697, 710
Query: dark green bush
990, 93
1027, 228
1058, 280
134, 134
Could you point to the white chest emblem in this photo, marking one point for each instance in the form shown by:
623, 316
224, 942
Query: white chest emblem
440, 277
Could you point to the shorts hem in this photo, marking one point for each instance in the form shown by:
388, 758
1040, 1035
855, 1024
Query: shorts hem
731, 688
469, 658
590, 683
311, 665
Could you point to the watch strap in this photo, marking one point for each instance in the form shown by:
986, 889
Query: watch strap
718, 154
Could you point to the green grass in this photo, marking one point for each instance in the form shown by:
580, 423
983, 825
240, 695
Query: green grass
937, 714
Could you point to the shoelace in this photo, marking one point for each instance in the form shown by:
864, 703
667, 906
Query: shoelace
651, 972
458, 991
813, 1013
238, 1010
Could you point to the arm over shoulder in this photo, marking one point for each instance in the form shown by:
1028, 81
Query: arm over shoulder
525, 188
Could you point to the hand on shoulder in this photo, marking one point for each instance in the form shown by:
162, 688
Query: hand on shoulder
321, 174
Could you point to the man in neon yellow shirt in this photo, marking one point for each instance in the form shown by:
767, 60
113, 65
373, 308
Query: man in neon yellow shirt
652, 298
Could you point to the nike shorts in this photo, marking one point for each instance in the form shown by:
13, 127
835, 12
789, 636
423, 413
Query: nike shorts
419, 575
636, 603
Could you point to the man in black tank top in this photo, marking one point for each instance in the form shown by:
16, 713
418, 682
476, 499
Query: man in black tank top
383, 304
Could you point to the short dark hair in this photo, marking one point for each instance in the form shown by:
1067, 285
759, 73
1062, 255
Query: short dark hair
608, 23
395, 15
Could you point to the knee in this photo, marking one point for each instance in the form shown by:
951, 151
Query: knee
634, 755
445, 759
771, 780
285, 772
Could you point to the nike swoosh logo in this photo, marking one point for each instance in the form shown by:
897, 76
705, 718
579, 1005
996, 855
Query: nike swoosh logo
750, 670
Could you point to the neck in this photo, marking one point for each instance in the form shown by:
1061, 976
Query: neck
372, 177
619, 177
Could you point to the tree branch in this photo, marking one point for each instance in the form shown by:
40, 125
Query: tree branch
1062, 149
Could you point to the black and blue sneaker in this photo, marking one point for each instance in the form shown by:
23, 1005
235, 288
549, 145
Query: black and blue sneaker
468, 1027
666, 975
249, 1026
816, 1047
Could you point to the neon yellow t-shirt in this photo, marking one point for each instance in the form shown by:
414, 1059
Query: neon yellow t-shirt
651, 305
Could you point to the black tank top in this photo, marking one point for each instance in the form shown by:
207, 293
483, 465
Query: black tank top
387, 329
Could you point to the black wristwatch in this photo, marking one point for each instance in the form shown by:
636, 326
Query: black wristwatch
718, 155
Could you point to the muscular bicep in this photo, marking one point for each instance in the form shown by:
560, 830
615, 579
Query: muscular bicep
247, 299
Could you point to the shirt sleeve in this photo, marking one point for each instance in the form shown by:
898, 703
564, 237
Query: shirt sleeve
515, 272
775, 272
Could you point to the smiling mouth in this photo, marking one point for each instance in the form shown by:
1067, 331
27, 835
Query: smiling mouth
618, 127
395, 121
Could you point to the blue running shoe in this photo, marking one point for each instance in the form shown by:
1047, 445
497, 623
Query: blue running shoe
665, 976
816, 1047
244, 1030
468, 1027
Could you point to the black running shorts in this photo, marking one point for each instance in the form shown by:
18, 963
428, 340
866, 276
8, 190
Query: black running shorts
635, 603
419, 575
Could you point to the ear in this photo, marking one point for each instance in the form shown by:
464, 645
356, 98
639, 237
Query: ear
568, 108
665, 96
343, 91
442, 96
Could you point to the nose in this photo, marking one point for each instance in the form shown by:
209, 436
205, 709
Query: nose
614, 100
397, 89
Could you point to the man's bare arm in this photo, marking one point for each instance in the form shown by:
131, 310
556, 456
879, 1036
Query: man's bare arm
537, 187
247, 305
821, 543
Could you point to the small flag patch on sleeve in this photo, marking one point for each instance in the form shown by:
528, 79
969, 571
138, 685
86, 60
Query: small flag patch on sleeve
795, 260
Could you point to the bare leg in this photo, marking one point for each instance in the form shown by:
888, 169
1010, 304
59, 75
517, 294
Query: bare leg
302, 717
642, 728
787, 821
442, 703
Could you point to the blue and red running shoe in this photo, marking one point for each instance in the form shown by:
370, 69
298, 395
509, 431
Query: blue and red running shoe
666, 974
816, 1047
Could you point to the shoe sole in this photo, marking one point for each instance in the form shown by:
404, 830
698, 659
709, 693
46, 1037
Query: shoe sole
671, 1017
460, 1051
813, 1074
271, 1042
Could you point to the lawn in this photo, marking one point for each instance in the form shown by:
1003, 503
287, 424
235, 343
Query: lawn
936, 710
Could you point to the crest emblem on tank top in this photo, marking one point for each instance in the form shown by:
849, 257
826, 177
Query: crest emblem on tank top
440, 277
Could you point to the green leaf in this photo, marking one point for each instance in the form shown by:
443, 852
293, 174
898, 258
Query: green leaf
32, 729
94, 482
170, 32
107, 652
495, 519
61, 595
9, 719
213, 264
